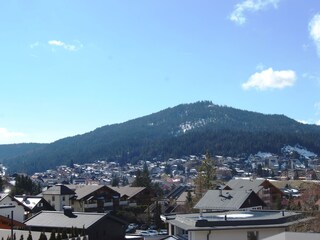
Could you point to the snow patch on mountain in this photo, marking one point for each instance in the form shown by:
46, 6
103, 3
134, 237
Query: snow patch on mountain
300, 150
264, 154
187, 126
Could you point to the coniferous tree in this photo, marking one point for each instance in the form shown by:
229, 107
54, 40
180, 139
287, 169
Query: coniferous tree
29, 236
206, 176
43, 236
189, 202
142, 178
115, 181
53, 235
64, 234
156, 217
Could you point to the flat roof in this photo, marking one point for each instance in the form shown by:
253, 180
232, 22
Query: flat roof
234, 219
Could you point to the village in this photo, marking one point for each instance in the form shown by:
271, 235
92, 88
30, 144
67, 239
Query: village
84, 201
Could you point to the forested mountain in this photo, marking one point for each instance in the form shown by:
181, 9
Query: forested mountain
14, 150
174, 132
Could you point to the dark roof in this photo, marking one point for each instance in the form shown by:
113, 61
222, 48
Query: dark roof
128, 191
59, 189
228, 200
83, 191
176, 192
246, 184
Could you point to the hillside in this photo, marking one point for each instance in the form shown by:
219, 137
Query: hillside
174, 132
14, 150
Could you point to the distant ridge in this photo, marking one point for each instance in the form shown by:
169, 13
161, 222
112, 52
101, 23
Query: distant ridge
182, 130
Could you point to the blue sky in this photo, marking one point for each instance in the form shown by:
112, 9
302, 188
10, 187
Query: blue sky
68, 67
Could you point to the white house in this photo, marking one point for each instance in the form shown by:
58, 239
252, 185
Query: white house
240, 225
17, 208
58, 196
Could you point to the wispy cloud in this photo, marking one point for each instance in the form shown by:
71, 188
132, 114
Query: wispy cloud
69, 47
5, 134
238, 15
314, 31
317, 108
268, 79
34, 45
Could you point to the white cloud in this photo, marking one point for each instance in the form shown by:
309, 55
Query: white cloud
68, 47
318, 122
314, 31
238, 14
6, 134
317, 107
269, 78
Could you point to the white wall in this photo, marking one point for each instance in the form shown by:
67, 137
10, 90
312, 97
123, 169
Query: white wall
240, 234
18, 210
58, 202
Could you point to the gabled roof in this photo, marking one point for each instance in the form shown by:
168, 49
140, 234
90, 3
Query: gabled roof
83, 191
28, 202
246, 184
58, 189
128, 191
57, 219
228, 200
14, 202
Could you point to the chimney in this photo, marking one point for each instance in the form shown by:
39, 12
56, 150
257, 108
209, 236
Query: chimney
68, 211
220, 192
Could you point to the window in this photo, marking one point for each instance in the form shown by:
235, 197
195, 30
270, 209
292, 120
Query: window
53, 198
253, 235
63, 198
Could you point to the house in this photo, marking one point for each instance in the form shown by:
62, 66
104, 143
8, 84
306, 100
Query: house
217, 200
58, 196
23, 206
33, 204
240, 225
268, 193
134, 196
14, 207
93, 198
97, 226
